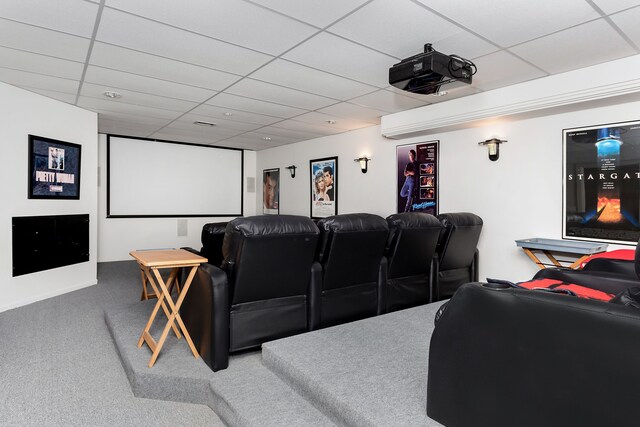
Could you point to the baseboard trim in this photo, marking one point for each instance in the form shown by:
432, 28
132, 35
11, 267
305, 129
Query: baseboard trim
47, 295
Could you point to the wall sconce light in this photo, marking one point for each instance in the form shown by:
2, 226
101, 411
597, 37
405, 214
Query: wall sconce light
364, 163
493, 145
292, 170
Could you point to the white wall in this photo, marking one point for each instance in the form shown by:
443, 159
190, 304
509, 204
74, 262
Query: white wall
119, 236
23, 113
519, 196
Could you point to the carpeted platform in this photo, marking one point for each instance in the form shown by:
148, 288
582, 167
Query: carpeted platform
372, 372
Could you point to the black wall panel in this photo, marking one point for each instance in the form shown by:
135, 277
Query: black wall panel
45, 242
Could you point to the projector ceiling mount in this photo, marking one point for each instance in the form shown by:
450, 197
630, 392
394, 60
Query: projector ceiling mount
427, 72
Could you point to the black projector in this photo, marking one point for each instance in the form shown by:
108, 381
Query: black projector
426, 72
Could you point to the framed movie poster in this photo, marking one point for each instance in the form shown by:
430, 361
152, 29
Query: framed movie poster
54, 169
324, 187
417, 177
271, 191
601, 176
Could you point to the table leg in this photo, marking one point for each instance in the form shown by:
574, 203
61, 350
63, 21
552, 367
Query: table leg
175, 315
577, 262
159, 303
534, 258
552, 258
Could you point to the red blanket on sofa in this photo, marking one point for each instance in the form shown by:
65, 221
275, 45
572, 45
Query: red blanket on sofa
580, 291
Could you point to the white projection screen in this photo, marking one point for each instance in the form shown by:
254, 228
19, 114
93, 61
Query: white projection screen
150, 178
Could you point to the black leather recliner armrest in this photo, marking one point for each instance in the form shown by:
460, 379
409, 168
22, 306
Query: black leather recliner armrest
193, 251
505, 357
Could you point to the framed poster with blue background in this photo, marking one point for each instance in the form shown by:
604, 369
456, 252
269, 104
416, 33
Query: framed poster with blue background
54, 169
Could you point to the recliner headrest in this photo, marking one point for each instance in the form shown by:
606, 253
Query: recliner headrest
272, 224
353, 222
413, 220
211, 229
460, 219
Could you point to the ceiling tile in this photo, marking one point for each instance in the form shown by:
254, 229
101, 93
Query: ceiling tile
286, 73
320, 125
38, 81
344, 109
27, 61
338, 56
46, 42
95, 104
628, 22
288, 133
577, 47
180, 136
187, 128
125, 127
220, 122
514, 23
405, 28
611, 6
70, 16
127, 117
215, 112
388, 101
111, 79
318, 129
259, 138
131, 61
126, 30
502, 69
280, 95
316, 12
254, 106
233, 21
69, 98
138, 98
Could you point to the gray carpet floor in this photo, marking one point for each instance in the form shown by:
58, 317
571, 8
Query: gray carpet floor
59, 366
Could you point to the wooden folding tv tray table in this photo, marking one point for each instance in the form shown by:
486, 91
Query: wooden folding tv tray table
581, 249
150, 262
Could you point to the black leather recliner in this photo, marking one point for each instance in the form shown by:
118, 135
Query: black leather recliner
351, 252
260, 293
515, 357
411, 266
212, 237
606, 275
457, 252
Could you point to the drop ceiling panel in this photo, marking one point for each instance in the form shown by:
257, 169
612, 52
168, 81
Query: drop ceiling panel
288, 133
316, 12
214, 112
318, 121
131, 61
611, 6
254, 106
117, 106
125, 127
112, 79
301, 126
179, 136
345, 109
197, 131
503, 69
132, 118
38, 81
339, 56
27, 61
141, 34
46, 42
405, 28
280, 95
286, 73
628, 22
220, 122
70, 16
138, 98
233, 21
577, 47
69, 98
385, 100
511, 22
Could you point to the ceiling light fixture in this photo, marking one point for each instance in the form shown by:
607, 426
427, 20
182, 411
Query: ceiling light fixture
112, 94
201, 123
267, 138
226, 113
331, 122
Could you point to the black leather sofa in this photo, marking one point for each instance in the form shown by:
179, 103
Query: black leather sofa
212, 237
260, 292
514, 357
412, 269
457, 252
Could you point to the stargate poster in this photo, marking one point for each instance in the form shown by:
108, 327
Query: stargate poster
602, 183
